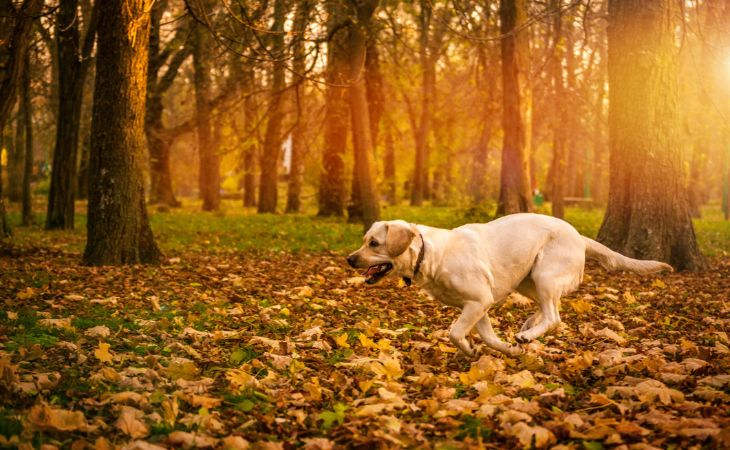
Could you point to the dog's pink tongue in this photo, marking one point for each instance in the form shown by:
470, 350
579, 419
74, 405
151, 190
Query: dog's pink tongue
372, 270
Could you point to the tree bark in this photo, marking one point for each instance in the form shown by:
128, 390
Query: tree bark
16, 34
420, 166
27, 208
514, 195
332, 179
647, 215
159, 140
5, 230
250, 150
15, 158
269, 175
558, 164
209, 175
359, 112
391, 191
118, 230
294, 186
73, 64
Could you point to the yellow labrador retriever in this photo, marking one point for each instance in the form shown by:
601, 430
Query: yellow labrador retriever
476, 266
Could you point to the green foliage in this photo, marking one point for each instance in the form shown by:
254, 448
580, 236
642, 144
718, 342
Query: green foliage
336, 415
474, 428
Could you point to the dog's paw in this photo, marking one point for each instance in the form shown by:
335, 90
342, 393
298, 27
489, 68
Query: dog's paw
521, 338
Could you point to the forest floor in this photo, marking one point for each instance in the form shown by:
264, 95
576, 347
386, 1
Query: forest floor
226, 345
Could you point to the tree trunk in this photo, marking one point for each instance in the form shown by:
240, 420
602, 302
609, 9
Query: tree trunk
559, 124
486, 80
82, 180
420, 167
209, 175
647, 220
27, 210
294, 187
332, 179
118, 230
5, 230
361, 138
391, 191
374, 90
159, 141
17, 40
72, 66
269, 176
514, 194
15, 158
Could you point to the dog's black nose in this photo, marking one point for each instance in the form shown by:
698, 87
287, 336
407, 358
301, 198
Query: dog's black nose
351, 260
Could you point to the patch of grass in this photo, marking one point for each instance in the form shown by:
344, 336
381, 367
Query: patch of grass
474, 428
9, 425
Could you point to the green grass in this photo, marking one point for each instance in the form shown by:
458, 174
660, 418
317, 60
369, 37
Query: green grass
235, 229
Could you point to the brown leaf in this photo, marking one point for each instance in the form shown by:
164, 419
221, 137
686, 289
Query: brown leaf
46, 418
130, 424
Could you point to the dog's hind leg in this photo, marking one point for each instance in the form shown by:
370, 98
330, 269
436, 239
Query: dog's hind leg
484, 327
527, 288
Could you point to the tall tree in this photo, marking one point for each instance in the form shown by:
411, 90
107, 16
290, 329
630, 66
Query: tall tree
514, 193
118, 230
17, 24
362, 142
73, 63
559, 162
332, 178
160, 139
269, 175
25, 94
209, 175
430, 39
250, 148
648, 214
294, 186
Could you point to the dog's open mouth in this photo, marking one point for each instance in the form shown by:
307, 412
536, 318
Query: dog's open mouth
376, 272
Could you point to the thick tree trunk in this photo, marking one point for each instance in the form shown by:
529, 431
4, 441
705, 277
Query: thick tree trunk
558, 165
374, 90
647, 215
332, 179
118, 230
209, 175
269, 176
294, 186
361, 138
420, 166
514, 195
60, 211
391, 191
15, 158
27, 210
17, 38
250, 151
5, 230
159, 140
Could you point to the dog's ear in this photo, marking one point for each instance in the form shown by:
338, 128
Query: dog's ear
398, 238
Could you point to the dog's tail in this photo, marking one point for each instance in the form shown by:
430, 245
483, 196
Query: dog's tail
611, 260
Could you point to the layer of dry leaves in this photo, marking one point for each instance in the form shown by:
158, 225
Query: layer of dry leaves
282, 351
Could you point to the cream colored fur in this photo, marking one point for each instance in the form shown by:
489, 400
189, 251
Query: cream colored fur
475, 266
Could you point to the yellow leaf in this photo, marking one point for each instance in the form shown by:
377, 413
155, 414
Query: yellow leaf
366, 341
523, 379
314, 389
446, 349
658, 284
581, 306
240, 379
532, 436
341, 341
170, 410
102, 353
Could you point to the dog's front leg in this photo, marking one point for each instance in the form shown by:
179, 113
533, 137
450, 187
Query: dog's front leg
471, 312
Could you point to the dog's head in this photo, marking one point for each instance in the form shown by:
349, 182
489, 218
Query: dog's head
384, 248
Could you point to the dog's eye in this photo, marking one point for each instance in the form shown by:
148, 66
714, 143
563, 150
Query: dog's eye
373, 243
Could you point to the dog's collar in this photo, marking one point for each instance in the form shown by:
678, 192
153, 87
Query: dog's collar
408, 280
